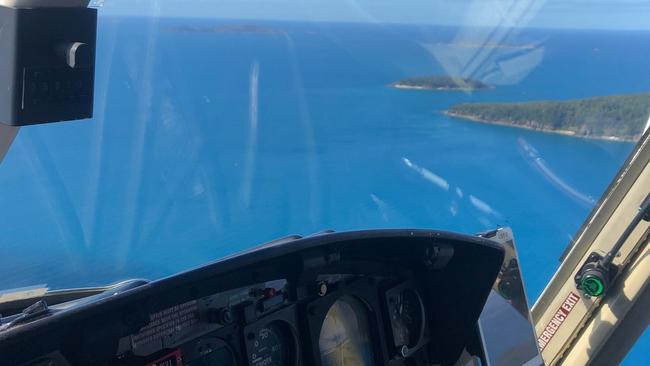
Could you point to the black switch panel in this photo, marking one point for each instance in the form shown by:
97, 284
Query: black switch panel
47, 64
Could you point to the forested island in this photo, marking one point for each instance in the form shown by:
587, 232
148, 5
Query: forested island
440, 83
620, 117
233, 28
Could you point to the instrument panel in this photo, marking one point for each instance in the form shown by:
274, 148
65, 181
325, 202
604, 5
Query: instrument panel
386, 297
343, 320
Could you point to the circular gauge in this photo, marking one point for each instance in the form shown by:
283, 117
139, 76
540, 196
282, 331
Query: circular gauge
407, 318
219, 357
272, 345
211, 352
345, 335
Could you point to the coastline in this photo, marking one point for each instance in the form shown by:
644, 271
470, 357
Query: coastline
419, 87
545, 130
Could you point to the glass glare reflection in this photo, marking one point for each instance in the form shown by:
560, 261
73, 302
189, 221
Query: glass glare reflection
345, 336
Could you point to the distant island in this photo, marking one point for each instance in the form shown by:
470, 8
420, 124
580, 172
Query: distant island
619, 117
490, 45
442, 83
234, 28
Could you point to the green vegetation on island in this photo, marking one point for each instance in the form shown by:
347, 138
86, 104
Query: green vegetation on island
440, 83
620, 117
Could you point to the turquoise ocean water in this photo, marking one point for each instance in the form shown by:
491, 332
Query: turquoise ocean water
210, 137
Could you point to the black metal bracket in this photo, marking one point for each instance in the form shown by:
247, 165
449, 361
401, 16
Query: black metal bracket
595, 275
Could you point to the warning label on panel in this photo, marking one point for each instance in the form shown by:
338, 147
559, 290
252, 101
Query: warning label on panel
172, 359
165, 323
560, 316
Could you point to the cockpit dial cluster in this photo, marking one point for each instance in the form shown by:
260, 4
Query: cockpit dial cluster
344, 321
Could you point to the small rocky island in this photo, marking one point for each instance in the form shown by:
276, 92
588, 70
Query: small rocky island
442, 83
619, 117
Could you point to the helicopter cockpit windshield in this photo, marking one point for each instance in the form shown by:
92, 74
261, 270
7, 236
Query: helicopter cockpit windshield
196, 129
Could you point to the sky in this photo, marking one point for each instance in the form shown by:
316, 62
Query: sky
583, 14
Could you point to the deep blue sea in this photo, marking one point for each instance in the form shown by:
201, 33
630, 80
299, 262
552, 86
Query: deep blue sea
210, 139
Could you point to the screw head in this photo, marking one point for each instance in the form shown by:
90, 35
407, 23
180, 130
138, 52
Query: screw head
404, 350
322, 288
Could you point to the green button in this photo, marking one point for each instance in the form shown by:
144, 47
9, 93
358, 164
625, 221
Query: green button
593, 286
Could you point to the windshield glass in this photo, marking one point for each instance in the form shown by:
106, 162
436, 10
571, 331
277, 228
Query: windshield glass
219, 125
